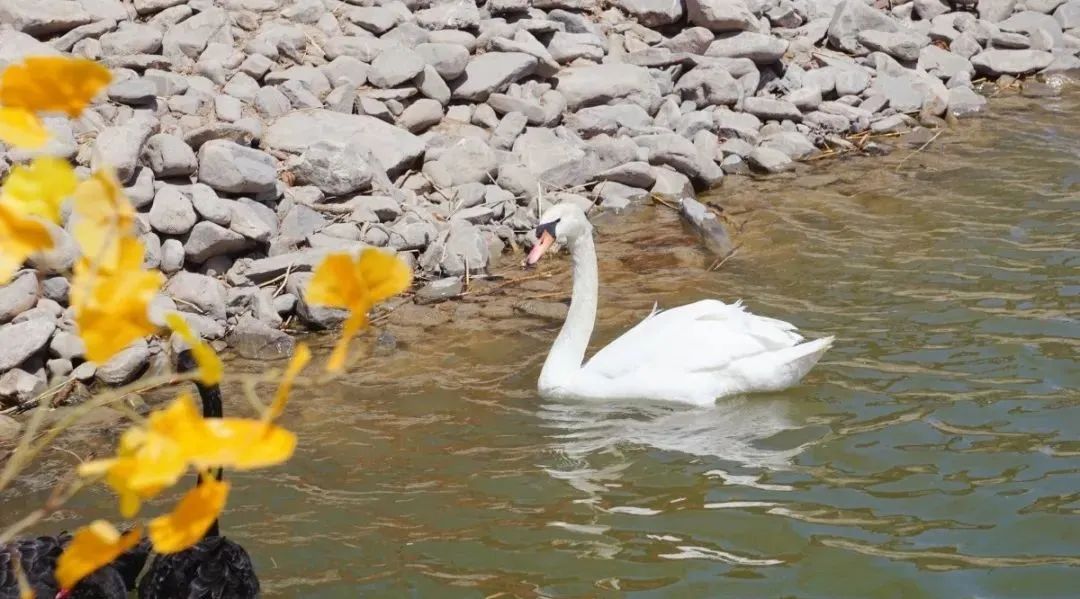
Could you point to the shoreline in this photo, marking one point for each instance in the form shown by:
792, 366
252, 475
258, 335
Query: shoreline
253, 143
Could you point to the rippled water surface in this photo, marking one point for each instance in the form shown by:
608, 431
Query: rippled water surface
934, 452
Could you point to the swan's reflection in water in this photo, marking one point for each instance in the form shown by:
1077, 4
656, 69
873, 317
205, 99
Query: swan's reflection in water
735, 431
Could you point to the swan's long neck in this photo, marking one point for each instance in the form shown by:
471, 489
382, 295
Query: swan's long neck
212, 408
568, 351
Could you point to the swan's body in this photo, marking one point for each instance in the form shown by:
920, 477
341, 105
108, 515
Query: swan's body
38, 555
694, 353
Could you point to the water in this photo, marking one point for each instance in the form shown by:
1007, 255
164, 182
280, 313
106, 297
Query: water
933, 453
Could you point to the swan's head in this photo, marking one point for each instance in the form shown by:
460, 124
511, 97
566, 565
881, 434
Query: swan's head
562, 223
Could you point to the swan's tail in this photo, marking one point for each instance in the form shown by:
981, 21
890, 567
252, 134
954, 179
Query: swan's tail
779, 369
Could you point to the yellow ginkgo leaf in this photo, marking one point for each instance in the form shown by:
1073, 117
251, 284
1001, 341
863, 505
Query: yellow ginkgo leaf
40, 188
22, 129
111, 302
192, 517
52, 84
356, 284
92, 547
243, 444
299, 360
20, 237
210, 368
104, 217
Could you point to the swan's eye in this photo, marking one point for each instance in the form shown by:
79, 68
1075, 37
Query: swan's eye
548, 228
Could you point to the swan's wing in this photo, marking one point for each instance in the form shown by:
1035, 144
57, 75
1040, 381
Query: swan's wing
705, 335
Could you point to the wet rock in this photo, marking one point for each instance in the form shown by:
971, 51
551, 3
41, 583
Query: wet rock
1011, 62
125, 366
609, 83
963, 101
542, 309
193, 291
439, 290
769, 160
172, 212
18, 296
491, 73
708, 226
232, 168
18, 342
671, 185
255, 340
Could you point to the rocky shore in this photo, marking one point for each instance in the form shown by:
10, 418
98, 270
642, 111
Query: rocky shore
255, 136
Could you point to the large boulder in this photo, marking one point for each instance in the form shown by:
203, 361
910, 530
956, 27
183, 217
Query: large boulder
602, 84
395, 149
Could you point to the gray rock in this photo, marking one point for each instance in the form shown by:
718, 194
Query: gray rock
199, 293
208, 205
907, 93
738, 124
232, 168
491, 73
709, 85
568, 47
300, 222
616, 196
465, 250
1010, 41
253, 220
394, 67
851, 81
461, 14
56, 289
133, 92
120, 146
172, 255
421, 115
191, 36
430, 84
228, 108
608, 83
22, 386
61, 258
59, 368
19, 342
68, 346
507, 131
1034, 23
208, 240
759, 47
550, 159
901, 45
18, 296
609, 120
315, 317
1011, 62
146, 7
852, 17
376, 19
336, 168
929, 9
633, 174
721, 15
395, 149
346, 69
671, 185
255, 340
271, 102
15, 46
469, 160
125, 366
680, 154
172, 212
131, 38
943, 63
1068, 15
769, 160
42, 18
652, 13
772, 110
448, 60
995, 11
169, 156
805, 98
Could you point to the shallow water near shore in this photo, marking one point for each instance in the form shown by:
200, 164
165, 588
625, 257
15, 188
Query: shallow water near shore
934, 452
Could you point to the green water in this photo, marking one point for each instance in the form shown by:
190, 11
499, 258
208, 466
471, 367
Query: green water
934, 452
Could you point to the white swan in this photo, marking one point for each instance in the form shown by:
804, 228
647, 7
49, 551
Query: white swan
693, 354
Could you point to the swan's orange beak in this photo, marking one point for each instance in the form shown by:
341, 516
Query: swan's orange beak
546, 239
